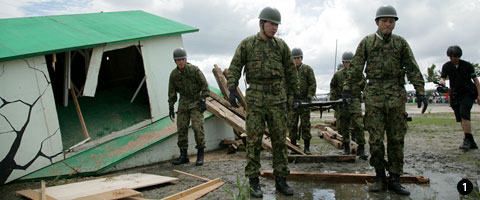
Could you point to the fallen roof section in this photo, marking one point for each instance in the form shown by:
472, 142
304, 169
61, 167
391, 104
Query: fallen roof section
33, 36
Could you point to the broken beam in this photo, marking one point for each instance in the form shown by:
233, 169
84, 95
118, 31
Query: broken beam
320, 158
343, 177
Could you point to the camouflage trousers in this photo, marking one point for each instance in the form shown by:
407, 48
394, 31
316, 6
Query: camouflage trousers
351, 123
258, 118
302, 115
183, 122
393, 122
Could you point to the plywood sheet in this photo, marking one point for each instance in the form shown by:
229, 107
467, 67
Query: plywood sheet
97, 186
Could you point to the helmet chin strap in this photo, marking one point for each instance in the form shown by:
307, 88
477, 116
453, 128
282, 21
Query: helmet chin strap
263, 30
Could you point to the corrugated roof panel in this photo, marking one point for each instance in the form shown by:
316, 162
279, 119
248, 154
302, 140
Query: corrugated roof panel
31, 36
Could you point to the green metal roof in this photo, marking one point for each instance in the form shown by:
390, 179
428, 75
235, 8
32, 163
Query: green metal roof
33, 36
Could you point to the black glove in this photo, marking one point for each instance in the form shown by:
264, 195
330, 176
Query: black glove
202, 106
422, 99
347, 96
171, 113
297, 101
234, 95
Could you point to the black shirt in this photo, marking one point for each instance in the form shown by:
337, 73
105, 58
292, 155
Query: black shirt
460, 78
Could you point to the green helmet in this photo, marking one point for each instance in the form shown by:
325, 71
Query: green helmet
386, 11
297, 52
179, 53
347, 56
340, 66
270, 14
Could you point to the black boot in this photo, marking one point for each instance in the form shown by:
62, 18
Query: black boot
394, 185
473, 145
466, 145
281, 185
182, 159
380, 181
346, 148
294, 142
306, 149
255, 190
361, 152
200, 154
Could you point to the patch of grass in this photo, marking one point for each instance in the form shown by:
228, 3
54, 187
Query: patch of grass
243, 190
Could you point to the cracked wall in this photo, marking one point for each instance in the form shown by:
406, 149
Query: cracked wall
29, 131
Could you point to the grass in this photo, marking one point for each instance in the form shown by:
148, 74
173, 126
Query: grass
243, 190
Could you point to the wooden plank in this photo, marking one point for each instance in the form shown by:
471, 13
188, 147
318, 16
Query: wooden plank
334, 134
192, 175
343, 177
114, 194
221, 80
79, 113
228, 142
197, 191
226, 115
42, 189
294, 148
97, 186
32, 194
240, 111
320, 158
267, 143
336, 143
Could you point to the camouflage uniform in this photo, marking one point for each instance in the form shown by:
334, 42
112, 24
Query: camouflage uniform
388, 59
269, 67
192, 86
308, 86
349, 118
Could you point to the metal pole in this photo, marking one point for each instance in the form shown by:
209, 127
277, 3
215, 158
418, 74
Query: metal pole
335, 62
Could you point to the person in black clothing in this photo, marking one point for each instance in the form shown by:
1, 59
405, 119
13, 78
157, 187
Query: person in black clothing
463, 91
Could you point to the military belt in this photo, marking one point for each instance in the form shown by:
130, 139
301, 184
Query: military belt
381, 80
262, 87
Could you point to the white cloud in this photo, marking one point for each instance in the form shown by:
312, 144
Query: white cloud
313, 25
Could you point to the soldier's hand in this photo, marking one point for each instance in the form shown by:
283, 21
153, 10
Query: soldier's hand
297, 101
422, 99
234, 96
202, 106
347, 96
171, 113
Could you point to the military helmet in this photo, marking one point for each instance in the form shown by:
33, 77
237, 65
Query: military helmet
340, 66
386, 11
297, 52
454, 51
270, 14
179, 53
347, 56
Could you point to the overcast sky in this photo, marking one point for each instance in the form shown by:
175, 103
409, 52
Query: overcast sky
430, 26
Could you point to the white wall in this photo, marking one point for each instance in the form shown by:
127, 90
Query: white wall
28, 117
158, 61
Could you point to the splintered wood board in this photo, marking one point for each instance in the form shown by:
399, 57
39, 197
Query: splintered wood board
102, 185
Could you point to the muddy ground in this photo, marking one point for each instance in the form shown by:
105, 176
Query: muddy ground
431, 150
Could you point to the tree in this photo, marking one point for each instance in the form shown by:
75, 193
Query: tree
432, 75
476, 67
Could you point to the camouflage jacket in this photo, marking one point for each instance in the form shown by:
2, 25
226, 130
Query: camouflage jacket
307, 82
388, 60
337, 82
268, 65
190, 84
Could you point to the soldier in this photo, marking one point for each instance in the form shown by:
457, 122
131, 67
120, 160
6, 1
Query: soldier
308, 86
187, 80
463, 91
335, 95
388, 59
269, 71
350, 119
